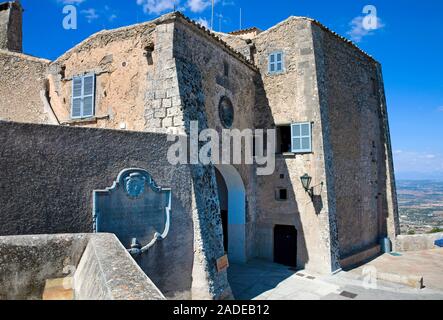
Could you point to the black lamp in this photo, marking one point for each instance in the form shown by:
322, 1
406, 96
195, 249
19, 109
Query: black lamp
306, 182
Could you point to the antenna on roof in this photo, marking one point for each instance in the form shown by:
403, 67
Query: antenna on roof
212, 16
240, 19
220, 17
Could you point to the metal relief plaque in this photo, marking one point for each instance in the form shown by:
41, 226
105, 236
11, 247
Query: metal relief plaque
135, 209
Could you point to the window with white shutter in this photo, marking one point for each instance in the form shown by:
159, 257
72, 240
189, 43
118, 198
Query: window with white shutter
83, 96
301, 135
276, 64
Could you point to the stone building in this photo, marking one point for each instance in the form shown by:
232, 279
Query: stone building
322, 94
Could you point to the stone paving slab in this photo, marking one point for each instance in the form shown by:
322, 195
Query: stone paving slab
250, 282
426, 263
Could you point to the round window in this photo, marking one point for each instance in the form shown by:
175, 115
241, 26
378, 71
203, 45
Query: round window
226, 112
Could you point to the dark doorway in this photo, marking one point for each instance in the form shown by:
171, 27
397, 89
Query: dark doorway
285, 245
223, 197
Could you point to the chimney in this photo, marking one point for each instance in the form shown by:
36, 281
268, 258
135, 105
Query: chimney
11, 26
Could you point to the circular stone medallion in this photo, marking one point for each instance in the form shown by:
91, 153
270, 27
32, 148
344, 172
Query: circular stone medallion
226, 112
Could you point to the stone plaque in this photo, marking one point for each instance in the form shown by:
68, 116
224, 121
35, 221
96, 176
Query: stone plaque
133, 208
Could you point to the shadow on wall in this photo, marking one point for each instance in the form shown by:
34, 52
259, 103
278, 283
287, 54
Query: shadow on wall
278, 212
318, 203
161, 266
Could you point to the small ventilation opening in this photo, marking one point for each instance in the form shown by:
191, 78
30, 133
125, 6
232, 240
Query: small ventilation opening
148, 53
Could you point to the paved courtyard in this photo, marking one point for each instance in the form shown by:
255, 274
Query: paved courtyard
261, 280
425, 263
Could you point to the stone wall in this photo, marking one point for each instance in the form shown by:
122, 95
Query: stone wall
417, 242
11, 26
292, 96
26, 262
96, 265
122, 64
356, 122
48, 174
201, 63
23, 89
107, 271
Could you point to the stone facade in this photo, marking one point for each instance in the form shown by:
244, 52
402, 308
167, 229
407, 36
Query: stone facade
361, 162
11, 26
159, 76
23, 78
119, 61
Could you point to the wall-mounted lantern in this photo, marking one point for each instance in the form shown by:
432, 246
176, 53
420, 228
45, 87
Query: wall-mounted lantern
306, 182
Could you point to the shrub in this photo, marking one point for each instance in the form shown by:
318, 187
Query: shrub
436, 230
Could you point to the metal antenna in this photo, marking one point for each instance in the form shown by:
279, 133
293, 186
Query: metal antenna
212, 16
240, 19
220, 17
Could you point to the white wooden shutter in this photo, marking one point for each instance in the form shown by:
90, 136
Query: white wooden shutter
279, 62
83, 96
301, 137
77, 87
271, 63
88, 95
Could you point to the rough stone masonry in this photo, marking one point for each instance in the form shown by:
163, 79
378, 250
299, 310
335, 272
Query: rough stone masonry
161, 75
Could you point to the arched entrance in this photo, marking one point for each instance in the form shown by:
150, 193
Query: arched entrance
232, 195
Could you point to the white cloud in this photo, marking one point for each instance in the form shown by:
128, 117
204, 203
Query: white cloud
420, 162
160, 6
228, 3
90, 14
157, 6
112, 17
65, 2
110, 13
203, 22
358, 30
199, 5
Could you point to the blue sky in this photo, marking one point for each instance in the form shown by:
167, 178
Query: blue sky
408, 43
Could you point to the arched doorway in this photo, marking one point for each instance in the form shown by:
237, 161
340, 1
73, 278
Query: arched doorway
232, 195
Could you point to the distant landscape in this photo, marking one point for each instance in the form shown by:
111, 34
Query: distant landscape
420, 205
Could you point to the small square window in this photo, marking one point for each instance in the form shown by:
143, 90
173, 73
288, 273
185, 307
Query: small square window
281, 194
276, 64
